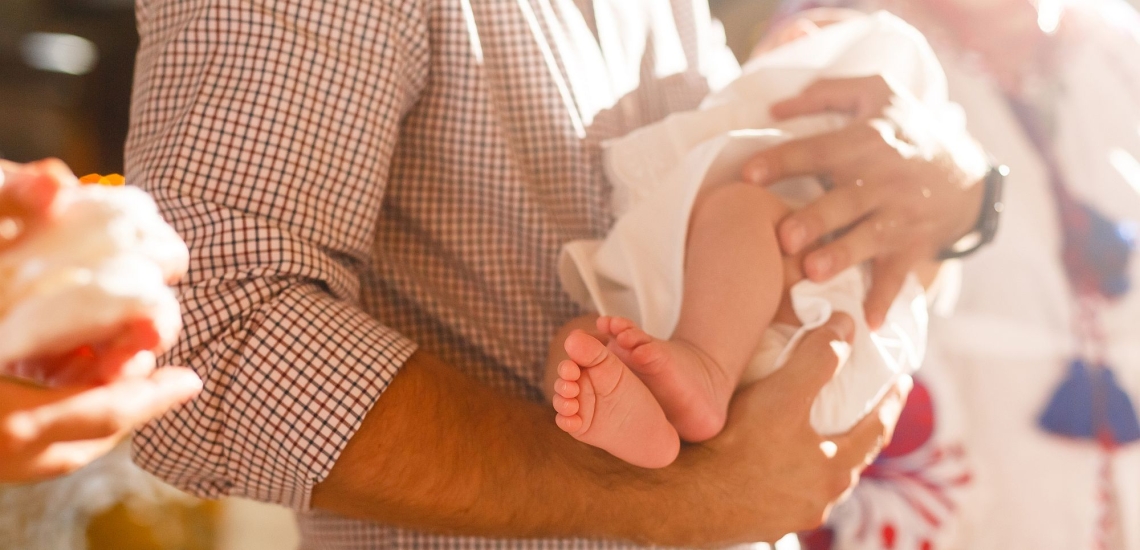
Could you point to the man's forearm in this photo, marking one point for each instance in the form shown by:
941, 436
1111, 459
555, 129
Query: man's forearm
441, 452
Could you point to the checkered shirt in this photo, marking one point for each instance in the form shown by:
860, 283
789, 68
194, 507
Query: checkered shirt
358, 177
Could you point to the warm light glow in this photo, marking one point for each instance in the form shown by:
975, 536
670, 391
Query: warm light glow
1049, 15
61, 53
1127, 166
472, 31
789, 542
829, 449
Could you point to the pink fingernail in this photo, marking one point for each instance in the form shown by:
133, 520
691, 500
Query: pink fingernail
795, 235
756, 173
822, 265
842, 325
875, 321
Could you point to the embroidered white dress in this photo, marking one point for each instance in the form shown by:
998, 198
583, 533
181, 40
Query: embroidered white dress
985, 476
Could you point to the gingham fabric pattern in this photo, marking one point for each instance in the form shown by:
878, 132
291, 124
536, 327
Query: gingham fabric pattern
358, 177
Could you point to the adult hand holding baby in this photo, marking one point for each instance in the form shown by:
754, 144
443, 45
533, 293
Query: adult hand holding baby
781, 475
95, 393
899, 204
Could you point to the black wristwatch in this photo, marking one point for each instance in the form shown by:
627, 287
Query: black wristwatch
986, 228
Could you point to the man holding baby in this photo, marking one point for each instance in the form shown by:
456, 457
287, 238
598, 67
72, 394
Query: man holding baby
375, 195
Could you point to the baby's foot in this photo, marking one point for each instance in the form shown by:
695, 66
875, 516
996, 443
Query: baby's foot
600, 402
693, 390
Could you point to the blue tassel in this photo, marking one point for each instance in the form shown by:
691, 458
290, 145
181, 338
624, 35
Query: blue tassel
1122, 418
1072, 412
1098, 251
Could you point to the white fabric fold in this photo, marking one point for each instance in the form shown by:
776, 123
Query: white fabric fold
637, 271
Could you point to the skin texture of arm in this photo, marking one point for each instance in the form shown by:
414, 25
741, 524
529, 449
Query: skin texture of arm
443, 453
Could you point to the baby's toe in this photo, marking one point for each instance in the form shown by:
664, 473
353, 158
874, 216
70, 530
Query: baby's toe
569, 424
585, 350
566, 388
603, 324
564, 406
632, 337
569, 370
621, 324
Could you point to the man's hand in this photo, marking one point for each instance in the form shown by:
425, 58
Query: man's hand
444, 453
899, 203
50, 432
769, 473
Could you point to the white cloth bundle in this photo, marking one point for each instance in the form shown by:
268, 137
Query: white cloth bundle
637, 270
105, 259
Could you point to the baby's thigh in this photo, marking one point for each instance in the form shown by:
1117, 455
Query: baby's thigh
760, 202
765, 205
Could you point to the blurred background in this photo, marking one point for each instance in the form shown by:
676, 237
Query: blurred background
65, 80
66, 65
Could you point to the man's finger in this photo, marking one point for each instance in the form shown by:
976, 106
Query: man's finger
859, 97
77, 414
820, 97
839, 208
858, 448
816, 360
808, 156
871, 238
887, 278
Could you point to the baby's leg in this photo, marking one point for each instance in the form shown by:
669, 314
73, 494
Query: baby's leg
600, 402
733, 285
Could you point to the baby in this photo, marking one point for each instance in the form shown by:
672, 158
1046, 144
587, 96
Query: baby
694, 295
